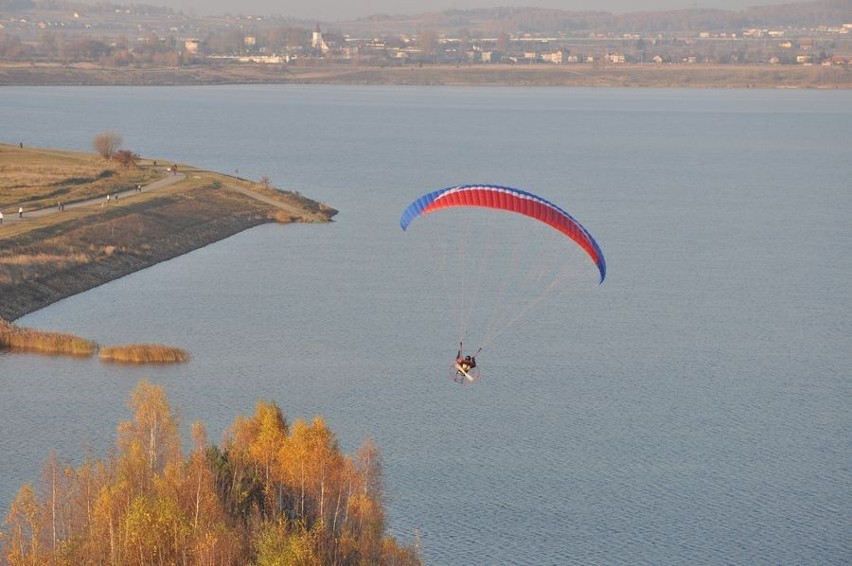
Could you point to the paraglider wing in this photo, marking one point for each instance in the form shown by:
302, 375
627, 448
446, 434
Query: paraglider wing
512, 200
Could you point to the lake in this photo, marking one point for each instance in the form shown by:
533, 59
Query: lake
694, 408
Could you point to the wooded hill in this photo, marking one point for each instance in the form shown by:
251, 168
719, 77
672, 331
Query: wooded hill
502, 19
515, 20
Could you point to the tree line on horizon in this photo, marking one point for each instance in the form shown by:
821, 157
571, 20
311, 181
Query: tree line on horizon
219, 36
273, 493
529, 18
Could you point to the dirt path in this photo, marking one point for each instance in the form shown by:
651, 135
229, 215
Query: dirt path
13, 218
269, 200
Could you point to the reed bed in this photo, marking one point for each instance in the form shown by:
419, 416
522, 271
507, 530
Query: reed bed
143, 354
58, 343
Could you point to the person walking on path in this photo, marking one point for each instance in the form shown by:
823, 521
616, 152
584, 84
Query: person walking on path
20, 212
1, 218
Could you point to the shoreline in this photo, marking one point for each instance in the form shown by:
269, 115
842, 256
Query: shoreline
50, 255
26, 299
21, 300
569, 75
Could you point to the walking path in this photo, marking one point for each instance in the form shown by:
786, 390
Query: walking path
12, 216
296, 211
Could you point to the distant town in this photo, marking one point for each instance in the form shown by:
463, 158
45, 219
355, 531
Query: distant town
38, 31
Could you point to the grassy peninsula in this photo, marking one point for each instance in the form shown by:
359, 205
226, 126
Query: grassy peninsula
274, 492
84, 221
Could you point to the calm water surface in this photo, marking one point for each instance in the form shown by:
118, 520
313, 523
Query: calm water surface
695, 408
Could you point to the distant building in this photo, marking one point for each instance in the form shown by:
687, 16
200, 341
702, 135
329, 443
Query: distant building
558, 57
268, 59
317, 41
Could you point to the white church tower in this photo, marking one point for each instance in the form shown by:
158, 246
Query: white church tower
317, 42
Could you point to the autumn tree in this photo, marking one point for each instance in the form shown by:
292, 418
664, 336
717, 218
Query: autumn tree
25, 527
248, 458
57, 477
273, 494
87, 483
151, 440
106, 144
368, 520
210, 539
126, 158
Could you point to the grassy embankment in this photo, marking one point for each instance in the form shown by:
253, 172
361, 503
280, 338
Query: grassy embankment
50, 254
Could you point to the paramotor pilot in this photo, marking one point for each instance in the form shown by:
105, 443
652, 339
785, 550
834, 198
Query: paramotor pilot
466, 363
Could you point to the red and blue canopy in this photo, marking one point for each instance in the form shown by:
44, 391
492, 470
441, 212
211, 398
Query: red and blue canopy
512, 200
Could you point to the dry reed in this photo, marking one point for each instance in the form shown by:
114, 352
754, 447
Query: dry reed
42, 258
143, 354
28, 339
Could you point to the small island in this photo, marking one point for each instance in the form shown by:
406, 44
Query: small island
72, 221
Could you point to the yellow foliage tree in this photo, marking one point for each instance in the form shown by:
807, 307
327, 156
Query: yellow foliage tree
154, 428
25, 527
270, 432
274, 494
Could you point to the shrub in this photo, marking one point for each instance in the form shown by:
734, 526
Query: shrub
126, 158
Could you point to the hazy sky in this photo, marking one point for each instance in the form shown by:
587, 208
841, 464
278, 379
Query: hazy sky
332, 10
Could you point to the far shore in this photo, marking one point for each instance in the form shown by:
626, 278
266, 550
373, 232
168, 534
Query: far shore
569, 75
